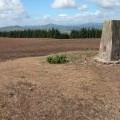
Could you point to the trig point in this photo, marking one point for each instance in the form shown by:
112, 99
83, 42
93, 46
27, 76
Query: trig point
110, 42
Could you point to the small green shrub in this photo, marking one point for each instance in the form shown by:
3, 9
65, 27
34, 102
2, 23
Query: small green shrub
57, 59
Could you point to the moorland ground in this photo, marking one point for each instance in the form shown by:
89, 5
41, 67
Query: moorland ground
11, 48
32, 89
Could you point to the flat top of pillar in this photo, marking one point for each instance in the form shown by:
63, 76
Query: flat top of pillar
112, 21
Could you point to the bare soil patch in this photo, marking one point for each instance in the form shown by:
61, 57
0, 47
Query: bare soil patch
31, 89
12, 48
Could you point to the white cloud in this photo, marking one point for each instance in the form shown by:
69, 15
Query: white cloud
83, 7
108, 3
62, 15
85, 17
11, 11
46, 17
80, 18
64, 4
72, 19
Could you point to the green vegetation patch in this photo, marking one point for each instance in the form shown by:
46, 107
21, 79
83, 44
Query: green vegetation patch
57, 59
22, 77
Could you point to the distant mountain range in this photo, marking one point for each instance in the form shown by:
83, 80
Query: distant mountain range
62, 28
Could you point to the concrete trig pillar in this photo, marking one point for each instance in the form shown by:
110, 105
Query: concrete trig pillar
110, 42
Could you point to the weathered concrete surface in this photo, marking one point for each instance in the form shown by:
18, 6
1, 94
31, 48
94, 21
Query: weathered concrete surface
110, 42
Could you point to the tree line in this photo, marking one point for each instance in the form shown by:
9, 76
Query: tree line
53, 33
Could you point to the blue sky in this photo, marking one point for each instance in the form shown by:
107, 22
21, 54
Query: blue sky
39, 12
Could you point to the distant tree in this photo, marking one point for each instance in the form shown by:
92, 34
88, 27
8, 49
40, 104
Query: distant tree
74, 34
53, 33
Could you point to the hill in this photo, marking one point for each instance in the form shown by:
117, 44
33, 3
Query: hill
62, 28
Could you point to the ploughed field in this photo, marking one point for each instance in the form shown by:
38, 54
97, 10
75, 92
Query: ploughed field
11, 48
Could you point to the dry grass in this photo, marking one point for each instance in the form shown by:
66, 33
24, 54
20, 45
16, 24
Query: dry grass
32, 89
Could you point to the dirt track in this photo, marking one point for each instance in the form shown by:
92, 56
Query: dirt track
11, 48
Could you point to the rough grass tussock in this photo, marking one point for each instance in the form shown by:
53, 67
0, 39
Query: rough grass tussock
57, 59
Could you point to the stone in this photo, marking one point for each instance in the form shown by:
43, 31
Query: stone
110, 42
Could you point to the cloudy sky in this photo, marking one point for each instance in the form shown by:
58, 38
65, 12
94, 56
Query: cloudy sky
39, 12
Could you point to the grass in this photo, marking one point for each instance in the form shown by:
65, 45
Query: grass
72, 56
75, 56
57, 59
22, 77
